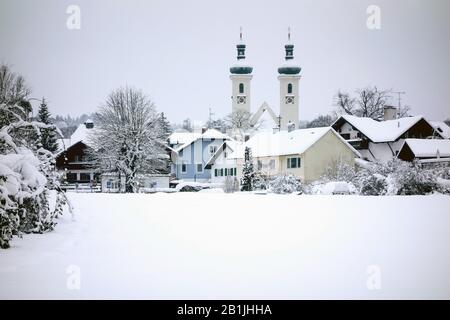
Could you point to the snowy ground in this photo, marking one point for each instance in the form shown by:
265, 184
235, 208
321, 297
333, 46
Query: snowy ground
207, 245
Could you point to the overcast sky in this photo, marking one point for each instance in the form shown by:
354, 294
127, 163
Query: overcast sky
179, 52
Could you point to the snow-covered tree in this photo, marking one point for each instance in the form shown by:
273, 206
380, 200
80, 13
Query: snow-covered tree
30, 196
127, 137
285, 184
321, 121
165, 126
48, 136
248, 172
368, 102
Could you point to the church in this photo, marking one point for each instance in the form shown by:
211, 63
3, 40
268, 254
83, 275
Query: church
241, 75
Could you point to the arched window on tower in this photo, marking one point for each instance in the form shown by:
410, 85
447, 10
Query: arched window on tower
289, 88
241, 88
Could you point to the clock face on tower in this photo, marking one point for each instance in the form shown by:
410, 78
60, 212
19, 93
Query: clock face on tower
241, 99
289, 100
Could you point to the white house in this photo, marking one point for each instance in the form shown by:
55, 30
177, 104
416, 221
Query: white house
305, 153
221, 165
382, 140
429, 152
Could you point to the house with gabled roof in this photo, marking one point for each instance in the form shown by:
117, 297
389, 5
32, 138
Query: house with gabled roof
188, 160
304, 153
429, 152
382, 140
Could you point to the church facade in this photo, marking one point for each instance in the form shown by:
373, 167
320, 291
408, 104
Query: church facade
241, 75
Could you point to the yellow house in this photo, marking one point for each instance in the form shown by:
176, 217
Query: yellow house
305, 153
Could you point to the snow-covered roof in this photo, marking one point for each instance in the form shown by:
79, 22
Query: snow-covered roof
442, 128
427, 148
183, 137
266, 144
381, 131
208, 135
80, 134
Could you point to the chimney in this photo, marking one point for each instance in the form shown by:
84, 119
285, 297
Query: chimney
89, 124
390, 113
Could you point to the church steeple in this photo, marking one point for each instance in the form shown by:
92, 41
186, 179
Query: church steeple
241, 76
289, 79
289, 58
240, 68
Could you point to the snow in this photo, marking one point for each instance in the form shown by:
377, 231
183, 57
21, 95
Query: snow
382, 131
426, 148
207, 135
236, 246
265, 144
180, 138
442, 128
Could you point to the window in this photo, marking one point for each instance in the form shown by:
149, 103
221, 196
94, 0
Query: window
293, 163
346, 136
221, 172
212, 149
241, 88
289, 88
85, 177
183, 167
71, 177
272, 164
199, 167
215, 172
226, 172
259, 164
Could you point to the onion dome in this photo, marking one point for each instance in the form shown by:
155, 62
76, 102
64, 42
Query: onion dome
240, 67
290, 66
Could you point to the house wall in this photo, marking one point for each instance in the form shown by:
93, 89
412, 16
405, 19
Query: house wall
196, 153
326, 152
347, 128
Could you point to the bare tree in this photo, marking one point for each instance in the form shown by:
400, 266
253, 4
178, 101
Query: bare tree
369, 102
127, 135
13, 92
321, 121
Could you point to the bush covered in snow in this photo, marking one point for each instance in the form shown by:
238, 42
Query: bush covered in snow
285, 184
395, 177
30, 196
331, 188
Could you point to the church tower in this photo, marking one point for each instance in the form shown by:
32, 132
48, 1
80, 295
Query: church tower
241, 76
289, 76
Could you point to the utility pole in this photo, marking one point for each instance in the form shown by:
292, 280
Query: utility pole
399, 98
210, 116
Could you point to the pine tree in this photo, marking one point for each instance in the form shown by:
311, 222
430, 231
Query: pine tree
248, 172
165, 126
48, 136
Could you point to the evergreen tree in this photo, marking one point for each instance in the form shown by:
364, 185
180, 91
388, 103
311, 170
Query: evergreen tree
165, 126
48, 136
248, 172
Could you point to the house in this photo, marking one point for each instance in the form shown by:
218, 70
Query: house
188, 160
111, 182
73, 160
442, 128
80, 174
305, 153
221, 165
429, 152
382, 140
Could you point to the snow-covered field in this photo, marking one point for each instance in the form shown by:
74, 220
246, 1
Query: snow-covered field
207, 245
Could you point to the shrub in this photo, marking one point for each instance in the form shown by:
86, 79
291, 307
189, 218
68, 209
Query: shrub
285, 184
